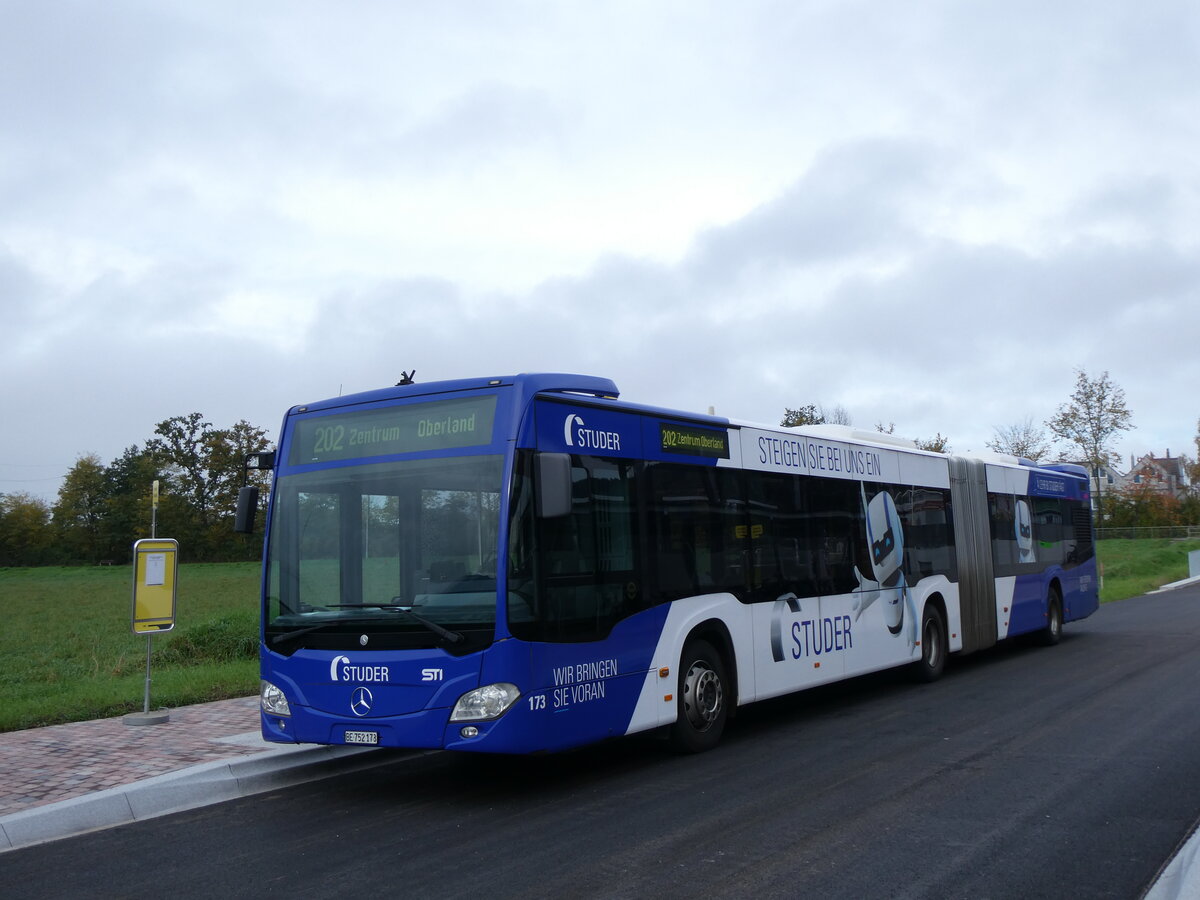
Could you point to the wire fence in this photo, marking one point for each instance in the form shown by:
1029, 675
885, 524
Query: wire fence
1170, 532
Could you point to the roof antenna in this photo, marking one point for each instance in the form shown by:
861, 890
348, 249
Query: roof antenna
406, 378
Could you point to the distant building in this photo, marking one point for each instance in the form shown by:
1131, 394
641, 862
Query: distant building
1164, 474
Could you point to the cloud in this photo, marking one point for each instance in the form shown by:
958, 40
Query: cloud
927, 215
853, 201
21, 293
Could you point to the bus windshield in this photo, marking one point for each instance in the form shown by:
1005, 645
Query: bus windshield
400, 553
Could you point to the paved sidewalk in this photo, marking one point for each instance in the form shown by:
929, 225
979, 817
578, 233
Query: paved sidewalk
67, 779
44, 765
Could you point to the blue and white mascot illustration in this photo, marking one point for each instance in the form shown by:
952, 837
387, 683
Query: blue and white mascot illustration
885, 540
1023, 525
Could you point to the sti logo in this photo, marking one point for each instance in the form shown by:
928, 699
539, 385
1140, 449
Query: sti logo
577, 434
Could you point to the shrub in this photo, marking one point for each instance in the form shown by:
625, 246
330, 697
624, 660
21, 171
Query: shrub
228, 638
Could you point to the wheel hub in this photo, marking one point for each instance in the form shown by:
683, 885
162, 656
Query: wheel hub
702, 696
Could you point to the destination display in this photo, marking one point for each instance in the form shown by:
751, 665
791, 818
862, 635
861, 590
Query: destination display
440, 425
694, 441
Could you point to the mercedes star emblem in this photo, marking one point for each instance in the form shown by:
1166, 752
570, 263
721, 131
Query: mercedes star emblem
360, 701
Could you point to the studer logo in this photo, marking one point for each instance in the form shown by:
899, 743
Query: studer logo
340, 669
577, 434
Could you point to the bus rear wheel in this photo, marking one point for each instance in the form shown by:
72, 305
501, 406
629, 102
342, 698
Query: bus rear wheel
703, 699
1052, 633
932, 663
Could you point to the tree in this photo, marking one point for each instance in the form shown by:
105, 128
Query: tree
1141, 506
1095, 414
204, 466
101, 511
228, 452
938, 443
81, 509
25, 538
128, 481
814, 414
805, 415
184, 445
1023, 439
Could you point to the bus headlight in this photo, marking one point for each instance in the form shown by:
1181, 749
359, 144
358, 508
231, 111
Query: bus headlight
272, 700
488, 702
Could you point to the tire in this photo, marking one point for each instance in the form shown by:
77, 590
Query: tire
703, 698
1052, 633
934, 647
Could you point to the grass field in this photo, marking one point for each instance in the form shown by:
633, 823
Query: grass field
69, 654
1131, 568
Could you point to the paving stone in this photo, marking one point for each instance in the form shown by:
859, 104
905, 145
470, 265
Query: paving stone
45, 765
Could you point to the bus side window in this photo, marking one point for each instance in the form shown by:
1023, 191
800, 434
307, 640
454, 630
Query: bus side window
698, 530
1048, 529
928, 538
567, 540
785, 557
1002, 515
588, 575
837, 532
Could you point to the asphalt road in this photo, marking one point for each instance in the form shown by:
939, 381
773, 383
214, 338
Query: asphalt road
1026, 772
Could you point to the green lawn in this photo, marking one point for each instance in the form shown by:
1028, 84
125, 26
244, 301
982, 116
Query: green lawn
1131, 568
69, 653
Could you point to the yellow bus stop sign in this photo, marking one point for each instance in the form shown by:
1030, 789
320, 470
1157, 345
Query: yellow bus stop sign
154, 567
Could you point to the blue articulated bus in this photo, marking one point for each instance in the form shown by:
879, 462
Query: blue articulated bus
528, 563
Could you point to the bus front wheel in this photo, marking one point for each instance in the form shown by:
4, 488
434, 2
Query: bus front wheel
703, 699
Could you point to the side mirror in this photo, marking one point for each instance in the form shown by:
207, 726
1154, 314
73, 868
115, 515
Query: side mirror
247, 506
263, 461
552, 483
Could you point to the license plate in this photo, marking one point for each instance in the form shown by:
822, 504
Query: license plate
362, 737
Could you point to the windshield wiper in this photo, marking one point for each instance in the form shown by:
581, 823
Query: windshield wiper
440, 630
288, 635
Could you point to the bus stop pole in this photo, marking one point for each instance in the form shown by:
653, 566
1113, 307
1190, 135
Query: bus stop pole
162, 716
149, 637
146, 702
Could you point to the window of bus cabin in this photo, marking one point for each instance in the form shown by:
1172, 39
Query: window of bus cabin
1054, 539
1002, 518
419, 534
1027, 533
574, 577
784, 557
699, 530
758, 535
928, 532
803, 535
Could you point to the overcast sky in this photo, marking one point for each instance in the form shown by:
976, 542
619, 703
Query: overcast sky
929, 213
